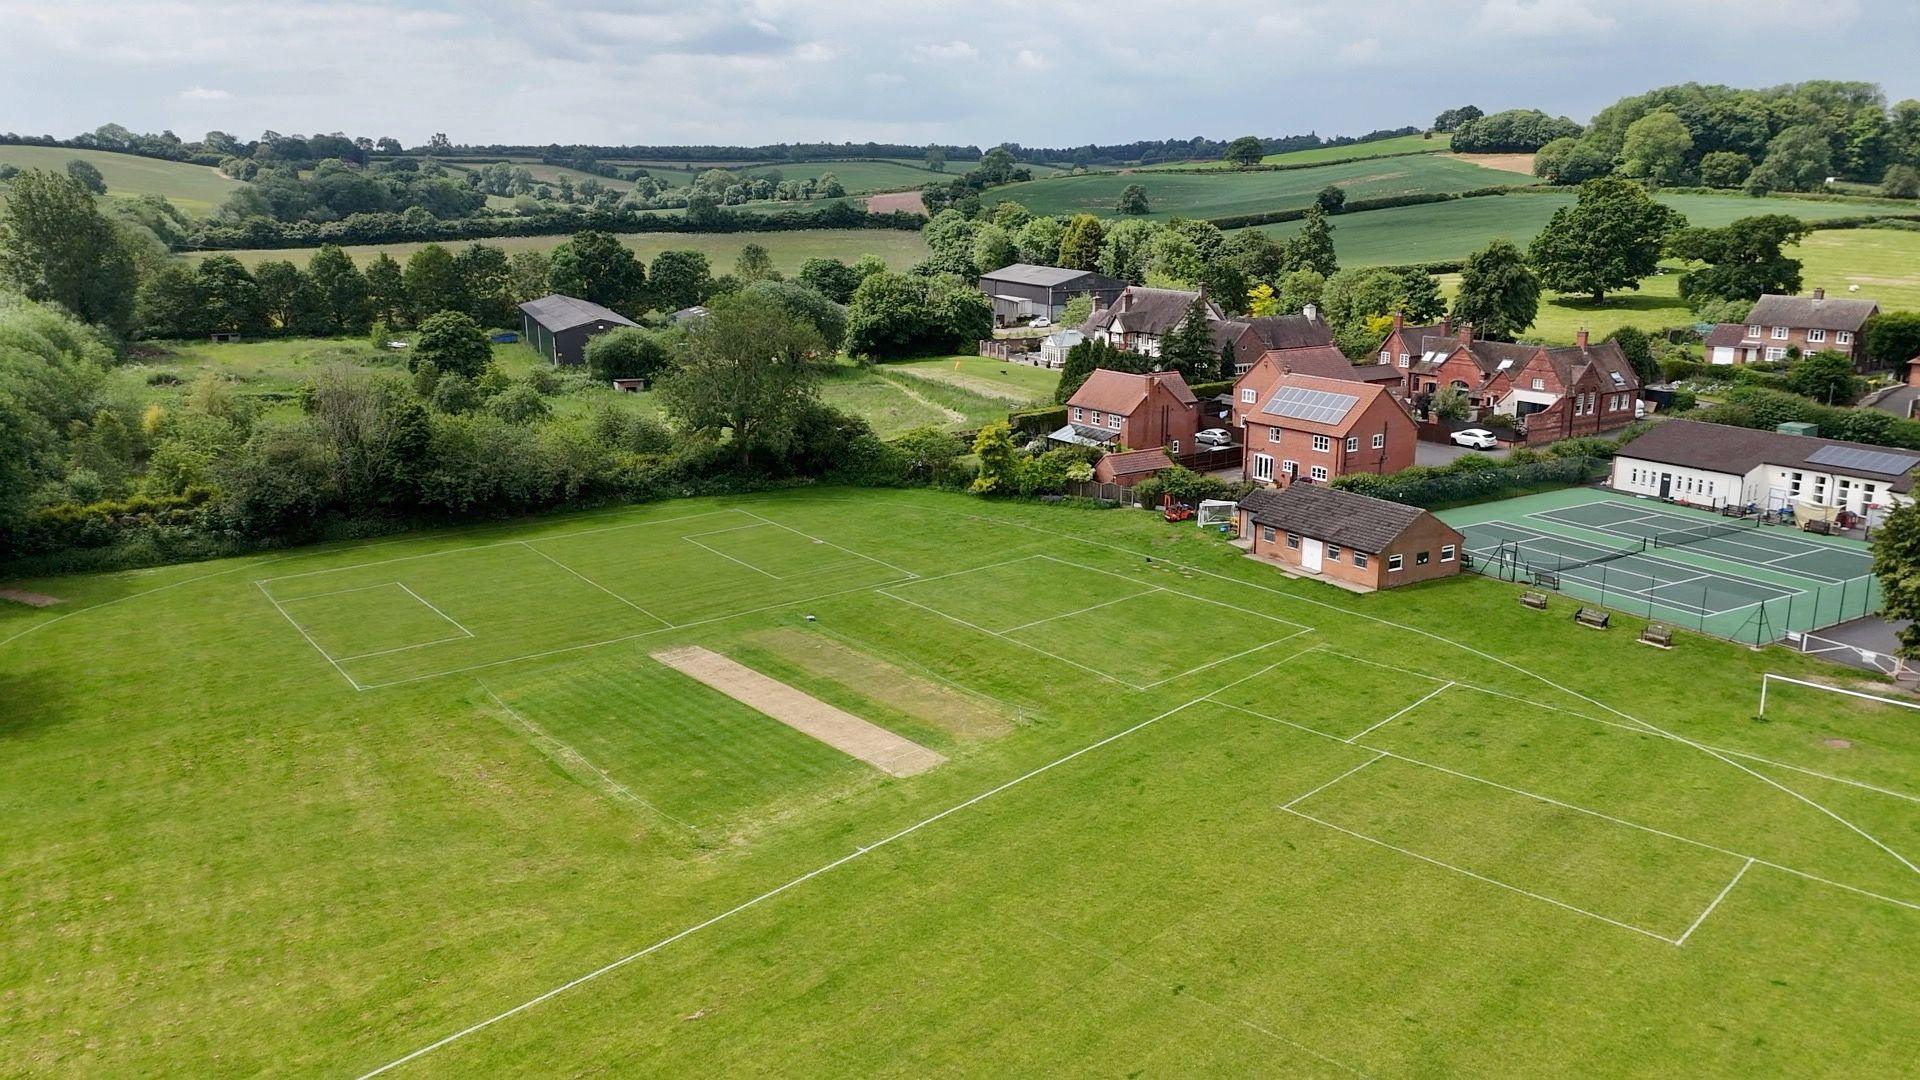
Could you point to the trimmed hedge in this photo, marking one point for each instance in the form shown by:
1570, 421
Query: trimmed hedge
1356, 206
1449, 486
1040, 420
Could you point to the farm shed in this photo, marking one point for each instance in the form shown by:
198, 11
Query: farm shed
558, 327
1024, 290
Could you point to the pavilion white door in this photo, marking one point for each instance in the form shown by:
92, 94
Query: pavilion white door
1310, 551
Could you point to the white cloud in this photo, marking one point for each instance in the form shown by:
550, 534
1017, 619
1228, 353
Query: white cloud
1030, 60
1361, 51
947, 52
202, 93
813, 52
1543, 18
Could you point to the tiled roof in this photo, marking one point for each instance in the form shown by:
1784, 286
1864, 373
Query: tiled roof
1606, 356
1135, 462
1145, 311
558, 313
1327, 362
1363, 395
1723, 448
1122, 392
1810, 313
1339, 517
1727, 335
1291, 331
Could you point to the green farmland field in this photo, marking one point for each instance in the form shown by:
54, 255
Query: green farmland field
196, 189
1436, 232
430, 803
1403, 144
858, 177
789, 249
1225, 193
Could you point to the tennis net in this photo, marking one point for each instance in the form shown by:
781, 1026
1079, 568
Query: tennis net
1684, 537
1608, 557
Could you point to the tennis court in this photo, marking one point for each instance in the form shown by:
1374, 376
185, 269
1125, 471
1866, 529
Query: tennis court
1726, 576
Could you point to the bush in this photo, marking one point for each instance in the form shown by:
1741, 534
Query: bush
629, 352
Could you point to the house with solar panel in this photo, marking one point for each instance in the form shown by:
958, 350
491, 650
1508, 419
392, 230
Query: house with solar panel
1717, 465
1313, 429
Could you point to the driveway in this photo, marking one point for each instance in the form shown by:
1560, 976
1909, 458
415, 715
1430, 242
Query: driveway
1435, 453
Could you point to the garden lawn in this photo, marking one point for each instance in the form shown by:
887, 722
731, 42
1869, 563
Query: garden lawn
789, 249
1337, 835
1016, 384
196, 189
1228, 193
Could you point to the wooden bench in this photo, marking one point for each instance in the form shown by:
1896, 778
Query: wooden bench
1658, 635
1535, 600
1593, 617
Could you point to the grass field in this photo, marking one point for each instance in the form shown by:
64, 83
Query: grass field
428, 803
1436, 232
196, 189
858, 177
1402, 144
789, 249
1018, 384
1215, 195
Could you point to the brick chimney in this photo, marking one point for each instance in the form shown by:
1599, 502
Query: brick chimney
1399, 320
1819, 294
1126, 300
1466, 333
1446, 325
1581, 337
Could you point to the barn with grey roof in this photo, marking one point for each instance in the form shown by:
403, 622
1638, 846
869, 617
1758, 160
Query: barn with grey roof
558, 327
1026, 291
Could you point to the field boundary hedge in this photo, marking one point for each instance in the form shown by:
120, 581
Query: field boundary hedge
1361, 206
1290, 166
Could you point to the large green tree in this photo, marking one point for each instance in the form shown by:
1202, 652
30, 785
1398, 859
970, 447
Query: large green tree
1080, 244
1244, 151
594, 265
1608, 240
1896, 564
1312, 247
433, 282
1499, 293
453, 343
1743, 261
56, 247
1189, 348
748, 374
341, 290
1657, 148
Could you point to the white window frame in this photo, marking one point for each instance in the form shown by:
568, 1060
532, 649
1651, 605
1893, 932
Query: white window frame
1093, 417
1174, 446
1353, 444
1266, 534
1446, 553
1247, 396
1079, 414
1779, 333
1775, 352
1539, 384
1393, 564
1386, 356
1360, 560
1753, 332
1333, 552
1318, 474
1113, 421
1843, 337
1816, 335
1263, 467
1322, 444
1380, 440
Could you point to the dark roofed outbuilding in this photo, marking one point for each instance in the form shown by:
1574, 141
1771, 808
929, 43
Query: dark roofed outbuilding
558, 327
1356, 541
1027, 290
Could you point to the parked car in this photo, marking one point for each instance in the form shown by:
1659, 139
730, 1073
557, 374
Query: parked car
1041, 323
1214, 436
1478, 438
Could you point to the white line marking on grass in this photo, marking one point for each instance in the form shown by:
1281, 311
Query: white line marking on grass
1084, 610
1369, 729
1224, 659
302, 631
529, 546
793, 883
831, 544
1304, 796
304, 597
541, 734
435, 610
729, 558
1564, 805
1744, 867
1176, 592
1481, 877
404, 648
1011, 641
487, 547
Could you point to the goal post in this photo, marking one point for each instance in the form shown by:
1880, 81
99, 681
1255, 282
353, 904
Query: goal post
1216, 512
1767, 678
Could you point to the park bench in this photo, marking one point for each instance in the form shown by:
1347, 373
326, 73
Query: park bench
1658, 635
1593, 617
1534, 600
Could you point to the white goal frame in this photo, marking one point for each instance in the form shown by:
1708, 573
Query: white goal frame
1216, 512
1768, 677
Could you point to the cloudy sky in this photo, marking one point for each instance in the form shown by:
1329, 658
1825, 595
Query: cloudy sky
980, 71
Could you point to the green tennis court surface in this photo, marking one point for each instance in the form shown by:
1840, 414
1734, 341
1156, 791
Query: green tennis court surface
1730, 577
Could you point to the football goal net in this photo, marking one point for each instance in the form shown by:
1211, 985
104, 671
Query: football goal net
1215, 513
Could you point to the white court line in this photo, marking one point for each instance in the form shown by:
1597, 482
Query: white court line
1744, 867
1011, 641
1564, 805
404, 648
540, 734
435, 610
302, 631
1176, 592
486, 547
336, 592
801, 880
1482, 877
729, 558
1369, 729
1304, 796
529, 546
1082, 611
1225, 659
829, 543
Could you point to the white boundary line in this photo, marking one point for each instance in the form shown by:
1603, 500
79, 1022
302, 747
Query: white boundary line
793, 883
1778, 556
1744, 867
540, 734
336, 592
435, 610
463, 635
1225, 659
1010, 640
529, 546
729, 558
1304, 796
302, 631
1369, 729
1482, 877
1084, 610
405, 648
829, 543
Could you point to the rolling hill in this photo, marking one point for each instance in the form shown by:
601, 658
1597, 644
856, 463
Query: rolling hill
197, 189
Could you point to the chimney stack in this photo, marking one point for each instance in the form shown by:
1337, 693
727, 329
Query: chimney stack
1446, 325
1466, 333
1819, 294
1581, 337
1312, 312
1126, 300
1399, 319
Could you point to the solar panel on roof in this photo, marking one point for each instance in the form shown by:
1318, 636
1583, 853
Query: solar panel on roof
1317, 406
1875, 461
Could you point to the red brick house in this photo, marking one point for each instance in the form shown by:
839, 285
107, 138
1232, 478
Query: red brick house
1551, 392
1313, 429
1256, 383
1129, 467
1403, 345
1809, 324
1119, 409
1252, 338
1354, 540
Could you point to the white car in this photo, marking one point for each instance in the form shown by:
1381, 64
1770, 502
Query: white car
1476, 437
1041, 323
1214, 436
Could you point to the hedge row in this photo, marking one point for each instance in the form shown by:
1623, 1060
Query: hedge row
387, 228
1454, 487
1296, 165
1356, 206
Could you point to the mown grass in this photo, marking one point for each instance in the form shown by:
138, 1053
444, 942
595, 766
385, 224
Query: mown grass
788, 249
1227, 193
222, 859
1017, 384
196, 189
